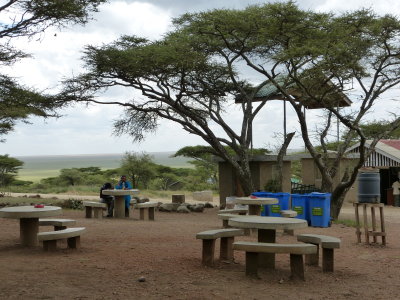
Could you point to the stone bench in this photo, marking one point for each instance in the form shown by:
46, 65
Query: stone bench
225, 218
209, 237
327, 243
50, 238
95, 207
58, 224
146, 210
288, 214
296, 252
239, 211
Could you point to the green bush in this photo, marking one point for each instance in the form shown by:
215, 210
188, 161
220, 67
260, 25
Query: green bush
72, 204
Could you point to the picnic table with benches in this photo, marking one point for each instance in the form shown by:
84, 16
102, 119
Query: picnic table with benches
29, 220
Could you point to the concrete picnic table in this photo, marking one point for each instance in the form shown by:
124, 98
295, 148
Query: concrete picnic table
255, 203
119, 204
29, 220
266, 228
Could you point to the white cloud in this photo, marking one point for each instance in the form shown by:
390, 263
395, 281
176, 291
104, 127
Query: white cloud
89, 130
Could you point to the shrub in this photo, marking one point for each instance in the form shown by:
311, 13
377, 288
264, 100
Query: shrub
72, 204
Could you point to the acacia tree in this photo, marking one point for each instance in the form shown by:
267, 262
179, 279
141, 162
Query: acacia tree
28, 18
312, 59
140, 168
192, 74
9, 167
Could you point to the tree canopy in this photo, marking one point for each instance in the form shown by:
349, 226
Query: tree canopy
196, 72
9, 167
28, 18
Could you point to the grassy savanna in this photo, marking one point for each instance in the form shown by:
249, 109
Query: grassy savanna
36, 168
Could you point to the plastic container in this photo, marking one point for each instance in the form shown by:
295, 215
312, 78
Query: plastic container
300, 203
274, 210
264, 211
369, 187
320, 209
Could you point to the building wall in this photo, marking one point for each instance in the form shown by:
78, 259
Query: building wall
261, 172
310, 175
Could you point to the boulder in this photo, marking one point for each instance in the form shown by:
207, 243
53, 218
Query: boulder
183, 209
203, 196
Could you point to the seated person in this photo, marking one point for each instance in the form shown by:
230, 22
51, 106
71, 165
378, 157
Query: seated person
123, 184
109, 200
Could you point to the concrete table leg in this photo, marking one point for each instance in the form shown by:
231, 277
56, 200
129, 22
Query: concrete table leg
254, 209
119, 207
267, 260
252, 259
29, 228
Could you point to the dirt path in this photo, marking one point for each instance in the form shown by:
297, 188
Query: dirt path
115, 253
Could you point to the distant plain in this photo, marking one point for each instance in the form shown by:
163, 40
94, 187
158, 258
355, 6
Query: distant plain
36, 168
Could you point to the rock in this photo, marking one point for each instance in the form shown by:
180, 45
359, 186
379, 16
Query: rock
142, 279
168, 207
183, 209
197, 208
142, 200
208, 205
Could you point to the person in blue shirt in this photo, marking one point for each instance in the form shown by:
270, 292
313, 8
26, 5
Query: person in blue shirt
123, 184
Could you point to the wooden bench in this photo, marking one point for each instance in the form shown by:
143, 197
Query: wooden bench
146, 210
58, 224
240, 211
296, 252
50, 238
328, 243
209, 237
95, 207
288, 214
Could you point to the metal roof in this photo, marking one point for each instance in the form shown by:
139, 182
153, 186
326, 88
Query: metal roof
270, 92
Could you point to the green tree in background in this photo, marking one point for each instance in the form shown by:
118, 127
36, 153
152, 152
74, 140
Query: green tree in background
203, 161
139, 168
71, 176
29, 18
194, 73
9, 167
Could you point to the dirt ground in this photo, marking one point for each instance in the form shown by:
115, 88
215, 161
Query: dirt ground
116, 253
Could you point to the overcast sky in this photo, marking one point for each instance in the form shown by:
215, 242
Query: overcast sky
84, 130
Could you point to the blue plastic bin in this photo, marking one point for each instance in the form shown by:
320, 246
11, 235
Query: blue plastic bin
273, 210
264, 210
320, 209
300, 204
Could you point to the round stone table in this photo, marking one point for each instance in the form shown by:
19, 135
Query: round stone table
119, 203
255, 203
29, 220
267, 227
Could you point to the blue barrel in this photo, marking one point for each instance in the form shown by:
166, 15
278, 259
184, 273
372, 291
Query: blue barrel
264, 210
300, 205
369, 187
320, 209
274, 209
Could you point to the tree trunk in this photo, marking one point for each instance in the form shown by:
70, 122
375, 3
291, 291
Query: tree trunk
281, 154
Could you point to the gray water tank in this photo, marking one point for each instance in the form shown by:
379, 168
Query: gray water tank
369, 187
